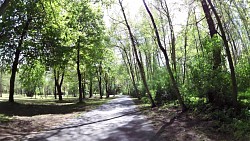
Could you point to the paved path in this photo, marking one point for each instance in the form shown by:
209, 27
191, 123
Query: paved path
117, 120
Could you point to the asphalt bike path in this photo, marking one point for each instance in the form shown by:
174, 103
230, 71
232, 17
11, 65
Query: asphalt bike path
117, 120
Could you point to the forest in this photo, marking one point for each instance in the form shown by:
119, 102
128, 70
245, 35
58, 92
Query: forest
192, 56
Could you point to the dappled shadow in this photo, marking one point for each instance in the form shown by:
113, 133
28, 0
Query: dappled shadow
116, 120
183, 128
137, 129
19, 109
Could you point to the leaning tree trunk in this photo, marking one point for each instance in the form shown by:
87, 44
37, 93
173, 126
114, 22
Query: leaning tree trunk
172, 35
212, 93
140, 65
16, 60
229, 57
175, 87
213, 32
130, 71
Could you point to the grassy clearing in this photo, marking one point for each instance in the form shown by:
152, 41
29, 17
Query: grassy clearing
26, 106
37, 114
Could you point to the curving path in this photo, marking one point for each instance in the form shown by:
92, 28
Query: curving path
117, 120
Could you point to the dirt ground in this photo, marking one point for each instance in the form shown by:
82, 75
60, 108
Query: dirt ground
21, 126
169, 123
172, 125
27, 118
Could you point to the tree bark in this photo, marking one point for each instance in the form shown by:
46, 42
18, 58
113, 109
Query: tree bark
16, 60
175, 87
140, 65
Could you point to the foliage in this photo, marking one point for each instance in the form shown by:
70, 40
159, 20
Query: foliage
32, 78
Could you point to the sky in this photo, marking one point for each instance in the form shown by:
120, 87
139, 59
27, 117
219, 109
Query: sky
176, 8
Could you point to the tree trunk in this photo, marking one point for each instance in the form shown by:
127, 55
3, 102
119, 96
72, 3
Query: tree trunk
79, 73
140, 65
107, 85
185, 50
59, 85
130, 69
175, 87
100, 79
173, 54
212, 30
83, 85
90, 88
229, 57
55, 84
198, 31
16, 60
1, 83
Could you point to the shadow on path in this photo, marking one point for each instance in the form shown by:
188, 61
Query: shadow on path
117, 120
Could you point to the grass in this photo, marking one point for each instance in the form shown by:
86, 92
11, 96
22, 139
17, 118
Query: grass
4, 118
26, 106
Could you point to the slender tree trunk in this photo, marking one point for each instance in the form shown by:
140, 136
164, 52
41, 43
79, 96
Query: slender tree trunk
59, 85
107, 85
55, 84
83, 85
229, 57
185, 50
90, 87
212, 30
131, 71
99, 72
79, 73
198, 31
16, 60
172, 35
1, 83
140, 65
175, 87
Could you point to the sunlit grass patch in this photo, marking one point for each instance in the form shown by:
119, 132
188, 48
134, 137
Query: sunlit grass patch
4, 118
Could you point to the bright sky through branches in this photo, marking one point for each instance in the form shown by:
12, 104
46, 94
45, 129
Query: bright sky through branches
178, 11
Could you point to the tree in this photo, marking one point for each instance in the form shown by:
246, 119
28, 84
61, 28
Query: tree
229, 57
140, 65
32, 77
176, 89
16, 42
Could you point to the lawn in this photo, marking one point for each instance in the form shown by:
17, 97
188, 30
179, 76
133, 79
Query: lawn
28, 115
